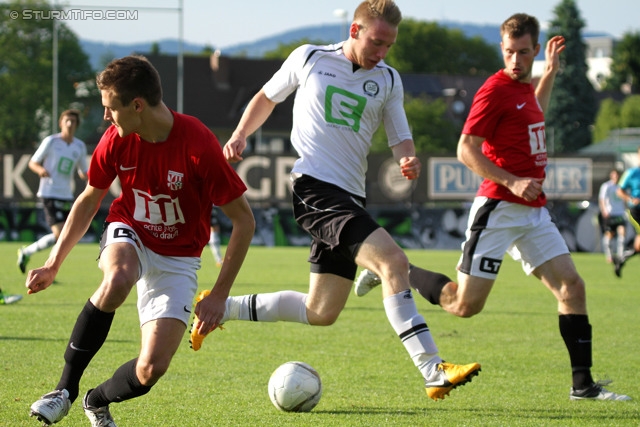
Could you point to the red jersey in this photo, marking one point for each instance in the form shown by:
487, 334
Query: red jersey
168, 188
507, 114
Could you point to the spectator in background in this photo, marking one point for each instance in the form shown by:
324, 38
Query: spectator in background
629, 192
614, 221
214, 237
55, 161
6, 298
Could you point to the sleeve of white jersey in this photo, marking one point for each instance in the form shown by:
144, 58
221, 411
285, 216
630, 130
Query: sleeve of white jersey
285, 81
43, 149
394, 117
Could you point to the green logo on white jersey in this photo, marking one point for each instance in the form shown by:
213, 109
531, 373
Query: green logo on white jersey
343, 108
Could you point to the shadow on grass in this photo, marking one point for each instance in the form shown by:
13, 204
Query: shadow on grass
582, 412
42, 339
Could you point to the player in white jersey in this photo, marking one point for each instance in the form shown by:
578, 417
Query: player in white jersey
55, 161
343, 93
614, 217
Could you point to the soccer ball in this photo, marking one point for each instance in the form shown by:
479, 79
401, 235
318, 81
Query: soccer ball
295, 387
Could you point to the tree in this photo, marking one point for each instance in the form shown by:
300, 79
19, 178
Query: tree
617, 115
284, 49
608, 118
625, 67
573, 104
26, 63
630, 112
432, 132
426, 47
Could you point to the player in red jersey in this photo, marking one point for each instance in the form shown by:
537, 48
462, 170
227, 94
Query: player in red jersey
503, 140
172, 171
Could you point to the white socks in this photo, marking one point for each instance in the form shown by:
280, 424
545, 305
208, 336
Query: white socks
287, 306
413, 331
41, 244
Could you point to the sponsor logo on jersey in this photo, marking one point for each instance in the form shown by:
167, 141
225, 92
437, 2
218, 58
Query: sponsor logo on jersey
343, 107
370, 88
174, 180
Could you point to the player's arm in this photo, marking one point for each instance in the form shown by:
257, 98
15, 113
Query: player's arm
257, 112
555, 46
470, 154
210, 310
76, 225
405, 154
38, 169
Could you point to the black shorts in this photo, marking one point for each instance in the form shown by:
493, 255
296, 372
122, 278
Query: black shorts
324, 210
56, 211
613, 222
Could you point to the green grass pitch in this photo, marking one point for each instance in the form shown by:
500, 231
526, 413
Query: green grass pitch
367, 376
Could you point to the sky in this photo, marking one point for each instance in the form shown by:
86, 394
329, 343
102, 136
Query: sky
227, 23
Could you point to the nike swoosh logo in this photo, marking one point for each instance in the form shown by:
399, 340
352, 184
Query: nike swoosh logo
521, 106
187, 309
73, 347
122, 168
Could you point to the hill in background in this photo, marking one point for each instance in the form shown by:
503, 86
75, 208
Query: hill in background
100, 53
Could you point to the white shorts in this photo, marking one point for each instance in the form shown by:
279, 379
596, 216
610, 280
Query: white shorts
496, 227
167, 284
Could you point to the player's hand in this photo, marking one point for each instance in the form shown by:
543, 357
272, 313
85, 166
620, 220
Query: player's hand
527, 188
209, 312
552, 52
410, 167
233, 149
39, 279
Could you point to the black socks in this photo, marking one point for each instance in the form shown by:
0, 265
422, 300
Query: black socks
88, 335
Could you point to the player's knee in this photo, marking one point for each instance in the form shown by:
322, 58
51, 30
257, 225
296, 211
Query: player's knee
323, 318
150, 372
466, 310
393, 264
574, 289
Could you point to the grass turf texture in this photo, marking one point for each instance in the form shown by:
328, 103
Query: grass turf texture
367, 376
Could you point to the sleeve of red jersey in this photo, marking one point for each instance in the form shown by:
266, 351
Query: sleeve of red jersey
102, 172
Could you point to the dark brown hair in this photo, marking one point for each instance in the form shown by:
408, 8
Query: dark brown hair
131, 77
520, 24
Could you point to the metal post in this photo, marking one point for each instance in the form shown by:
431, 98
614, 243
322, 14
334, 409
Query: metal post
54, 84
180, 91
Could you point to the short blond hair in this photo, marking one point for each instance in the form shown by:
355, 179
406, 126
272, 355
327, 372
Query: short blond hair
387, 10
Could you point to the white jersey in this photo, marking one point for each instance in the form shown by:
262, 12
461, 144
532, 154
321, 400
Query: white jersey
613, 205
60, 160
337, 108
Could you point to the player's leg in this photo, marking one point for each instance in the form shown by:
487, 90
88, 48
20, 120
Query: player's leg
544, 253
120, 263
55, 213
606, 245
160, 340
380, 254
620, 239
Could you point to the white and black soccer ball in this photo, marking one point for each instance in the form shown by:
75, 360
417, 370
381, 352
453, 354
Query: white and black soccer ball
295, 387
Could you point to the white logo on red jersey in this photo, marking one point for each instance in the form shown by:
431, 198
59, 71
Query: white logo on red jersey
160, 209
537, 138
